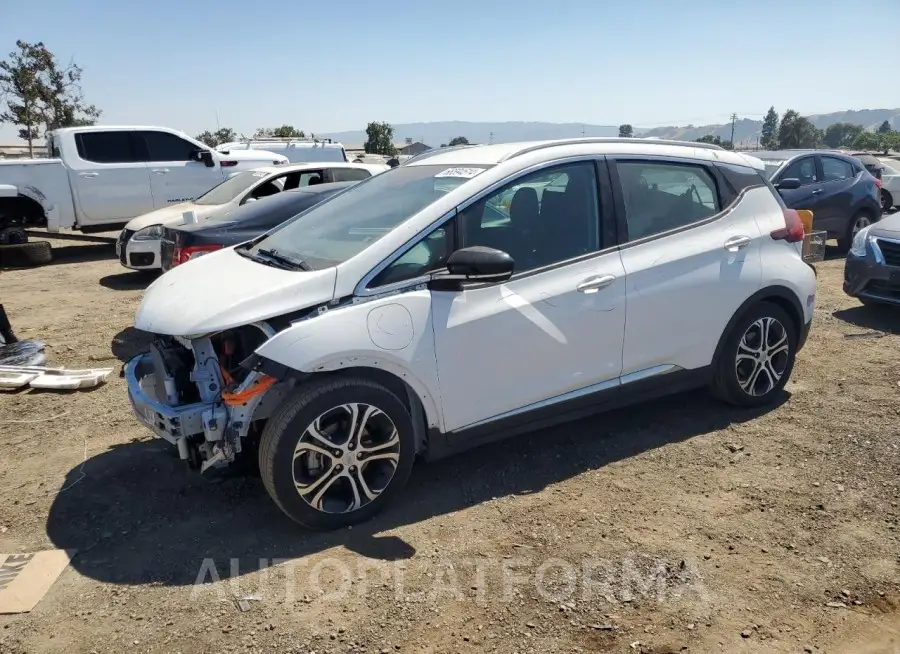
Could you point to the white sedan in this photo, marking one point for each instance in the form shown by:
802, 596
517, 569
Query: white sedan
890, 184
138, 246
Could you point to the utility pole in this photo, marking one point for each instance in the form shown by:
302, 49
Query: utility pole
491, 138
582, 130
733, 120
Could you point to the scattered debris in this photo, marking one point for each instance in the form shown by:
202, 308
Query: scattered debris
746, 633
836, 605
28, 576
602, 627
51, 378
735, 447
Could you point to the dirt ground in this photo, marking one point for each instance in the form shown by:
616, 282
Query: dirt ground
676, 526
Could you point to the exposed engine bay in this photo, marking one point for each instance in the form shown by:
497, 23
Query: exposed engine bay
196, 394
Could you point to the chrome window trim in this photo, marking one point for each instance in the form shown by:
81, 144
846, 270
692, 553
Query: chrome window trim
362, 290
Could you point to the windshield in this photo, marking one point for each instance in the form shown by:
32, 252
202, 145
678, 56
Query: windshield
231, 188
345, 225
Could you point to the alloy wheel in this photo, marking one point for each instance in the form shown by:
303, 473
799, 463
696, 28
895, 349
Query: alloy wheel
859, 223
762, 356
346, 458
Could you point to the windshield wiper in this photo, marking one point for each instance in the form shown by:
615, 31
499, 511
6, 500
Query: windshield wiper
284, 259
245, 252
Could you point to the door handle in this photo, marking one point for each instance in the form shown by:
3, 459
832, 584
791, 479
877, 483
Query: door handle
736, 243
595, 283
818, 191
88, 174
160, 171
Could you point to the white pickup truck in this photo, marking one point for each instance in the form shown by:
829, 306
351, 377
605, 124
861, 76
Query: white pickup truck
100, 177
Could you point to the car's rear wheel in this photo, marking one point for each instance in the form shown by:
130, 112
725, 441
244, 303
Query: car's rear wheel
337, 452
860, 221
756, 357
887, 200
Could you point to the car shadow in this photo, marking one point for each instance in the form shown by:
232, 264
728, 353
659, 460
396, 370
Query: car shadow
879, 317
130, 342
833, 252
66, 254
134, 280
138, 516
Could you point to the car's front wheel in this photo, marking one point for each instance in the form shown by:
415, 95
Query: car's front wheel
337, 452
756, 357
887, 200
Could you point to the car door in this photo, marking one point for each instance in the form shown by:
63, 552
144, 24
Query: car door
835, 206
811, 191
554, 331
110, 179
690, 260
175, 175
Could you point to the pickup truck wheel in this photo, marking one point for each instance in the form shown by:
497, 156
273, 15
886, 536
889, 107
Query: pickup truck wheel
337, 452
32, 253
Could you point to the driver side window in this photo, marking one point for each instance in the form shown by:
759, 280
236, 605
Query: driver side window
802, 169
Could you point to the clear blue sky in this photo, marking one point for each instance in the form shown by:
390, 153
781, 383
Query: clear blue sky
335, 65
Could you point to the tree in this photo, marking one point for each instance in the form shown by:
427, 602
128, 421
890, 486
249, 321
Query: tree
38, 93
769, 137
797, 132
458, 140
842, 135
220, 136
380, 139
283, 132
885, 128
866, 141
626, 131
716, 140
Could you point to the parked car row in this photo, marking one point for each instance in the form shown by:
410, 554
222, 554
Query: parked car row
386, 319
138, 245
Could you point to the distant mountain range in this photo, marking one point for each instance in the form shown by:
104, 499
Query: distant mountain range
746, 131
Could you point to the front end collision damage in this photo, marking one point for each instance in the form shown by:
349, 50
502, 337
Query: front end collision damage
206, 399
185, 391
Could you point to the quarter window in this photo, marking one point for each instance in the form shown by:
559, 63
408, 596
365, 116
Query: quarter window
426, 256
834, 169
540, 219
663, 196
106, 147
349, 174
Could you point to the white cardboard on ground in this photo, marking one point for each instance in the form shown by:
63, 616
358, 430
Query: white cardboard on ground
26, 577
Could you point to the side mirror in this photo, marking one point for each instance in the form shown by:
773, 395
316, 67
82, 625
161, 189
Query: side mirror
474, 264
788, 184
203, 156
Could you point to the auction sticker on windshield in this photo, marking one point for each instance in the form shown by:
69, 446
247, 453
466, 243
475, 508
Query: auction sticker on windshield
465, 173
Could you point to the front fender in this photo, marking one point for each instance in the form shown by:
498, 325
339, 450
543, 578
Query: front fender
393, 334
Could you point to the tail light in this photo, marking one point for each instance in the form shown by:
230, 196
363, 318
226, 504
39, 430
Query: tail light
793, 230
184, 254
229, 164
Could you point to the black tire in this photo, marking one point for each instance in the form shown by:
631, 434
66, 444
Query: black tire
727, 371
287, 428
887, 200
32, 253
845, 241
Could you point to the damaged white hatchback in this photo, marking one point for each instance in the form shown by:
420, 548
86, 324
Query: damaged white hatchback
469, 294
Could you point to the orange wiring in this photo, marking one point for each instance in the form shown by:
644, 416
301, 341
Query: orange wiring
236, 399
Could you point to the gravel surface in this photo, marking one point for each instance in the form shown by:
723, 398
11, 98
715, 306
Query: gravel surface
680, 525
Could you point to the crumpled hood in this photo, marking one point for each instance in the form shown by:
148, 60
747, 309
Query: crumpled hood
172, 216
222, 290
888, 226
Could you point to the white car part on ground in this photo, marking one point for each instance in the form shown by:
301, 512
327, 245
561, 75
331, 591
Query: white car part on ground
51, 378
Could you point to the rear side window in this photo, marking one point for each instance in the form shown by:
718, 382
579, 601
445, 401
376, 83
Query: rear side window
162, 146
664, 196
834, 169
349, 174
741, 178
106, 147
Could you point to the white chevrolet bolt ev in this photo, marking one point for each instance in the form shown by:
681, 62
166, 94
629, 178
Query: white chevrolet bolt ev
470, 294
